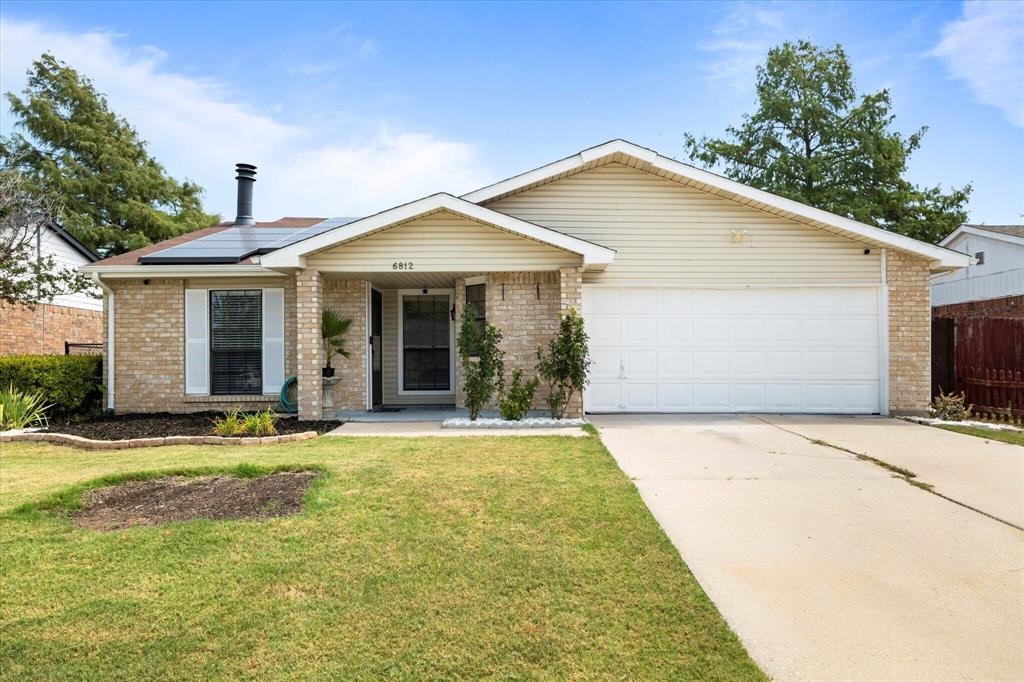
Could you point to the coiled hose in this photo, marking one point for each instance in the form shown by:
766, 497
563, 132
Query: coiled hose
287, 405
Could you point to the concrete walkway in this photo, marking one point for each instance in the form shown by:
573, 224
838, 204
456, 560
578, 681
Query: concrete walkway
826, 566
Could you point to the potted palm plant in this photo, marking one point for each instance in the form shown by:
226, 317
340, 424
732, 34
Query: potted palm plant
333, 328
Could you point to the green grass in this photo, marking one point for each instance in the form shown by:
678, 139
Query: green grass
414, 558
1012, 437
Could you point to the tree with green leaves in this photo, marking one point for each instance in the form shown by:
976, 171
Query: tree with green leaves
115, 196
814, 140
482, 360
28, 277
565, 364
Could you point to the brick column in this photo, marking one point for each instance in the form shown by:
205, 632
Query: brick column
909, 333
308, 346
571, 285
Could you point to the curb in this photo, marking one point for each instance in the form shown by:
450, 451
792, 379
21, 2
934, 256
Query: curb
89, 444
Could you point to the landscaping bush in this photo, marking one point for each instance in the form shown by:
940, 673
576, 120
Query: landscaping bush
237, 423
519, 397
483, 362
566, 363
69, 384
951, 407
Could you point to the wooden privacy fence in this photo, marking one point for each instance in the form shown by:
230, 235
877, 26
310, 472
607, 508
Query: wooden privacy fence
984, 358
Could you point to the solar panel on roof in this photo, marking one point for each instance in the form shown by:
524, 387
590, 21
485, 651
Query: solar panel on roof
235, 244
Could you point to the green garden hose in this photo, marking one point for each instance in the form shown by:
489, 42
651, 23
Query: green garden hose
286, 405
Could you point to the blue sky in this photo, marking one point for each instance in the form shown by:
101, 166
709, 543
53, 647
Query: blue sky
351, 108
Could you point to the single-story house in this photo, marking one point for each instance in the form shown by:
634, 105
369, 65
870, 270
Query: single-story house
70, 318
700, 294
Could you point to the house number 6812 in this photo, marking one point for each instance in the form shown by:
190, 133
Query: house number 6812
402, 265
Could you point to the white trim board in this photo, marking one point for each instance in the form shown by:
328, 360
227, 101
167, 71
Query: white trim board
594, 255
400, 323
980, 232
729, 189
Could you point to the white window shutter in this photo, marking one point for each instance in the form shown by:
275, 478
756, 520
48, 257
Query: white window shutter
197, 342
273, 340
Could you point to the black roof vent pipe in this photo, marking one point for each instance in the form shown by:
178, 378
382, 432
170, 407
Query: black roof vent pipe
246, 176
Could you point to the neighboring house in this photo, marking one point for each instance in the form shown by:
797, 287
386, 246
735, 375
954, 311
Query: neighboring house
72, 318
993, 284
700, 294
978, 320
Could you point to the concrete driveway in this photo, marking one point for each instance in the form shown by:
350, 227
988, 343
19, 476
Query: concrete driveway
828, 567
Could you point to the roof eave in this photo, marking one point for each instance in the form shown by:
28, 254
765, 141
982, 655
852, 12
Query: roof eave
944, 257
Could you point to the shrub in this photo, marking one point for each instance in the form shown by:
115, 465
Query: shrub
566, 363
951, 406
230, 424
20, 410
483, 362
519, 397
69, 384
260, 423
238, 423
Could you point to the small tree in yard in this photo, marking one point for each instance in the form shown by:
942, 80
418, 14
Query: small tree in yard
566, 363
483, 362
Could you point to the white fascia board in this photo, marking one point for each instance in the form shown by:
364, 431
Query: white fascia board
178, 271
941, 257
981, 232
293, 256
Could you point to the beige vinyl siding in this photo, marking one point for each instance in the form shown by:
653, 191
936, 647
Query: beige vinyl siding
666, 233
389, 360
442, 242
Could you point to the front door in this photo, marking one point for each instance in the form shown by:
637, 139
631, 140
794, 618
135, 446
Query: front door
376, 325
425, 349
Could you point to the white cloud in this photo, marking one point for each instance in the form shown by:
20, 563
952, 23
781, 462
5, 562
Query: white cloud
741, 39
199, 127
985, 48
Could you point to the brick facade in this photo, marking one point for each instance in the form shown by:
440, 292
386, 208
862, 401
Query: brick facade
1007, 306
44, 330
525, 306
149, 348
909, 333
348, 297
308, 344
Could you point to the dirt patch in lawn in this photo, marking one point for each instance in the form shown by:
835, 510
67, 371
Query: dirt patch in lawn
177, 498
159, 425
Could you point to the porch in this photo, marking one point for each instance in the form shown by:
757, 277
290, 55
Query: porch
403, 364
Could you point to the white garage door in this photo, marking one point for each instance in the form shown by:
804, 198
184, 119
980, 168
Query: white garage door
673, 349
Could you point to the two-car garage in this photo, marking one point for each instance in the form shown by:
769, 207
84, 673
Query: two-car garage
779, 349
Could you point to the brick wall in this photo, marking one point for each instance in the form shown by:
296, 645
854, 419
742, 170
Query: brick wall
44, 330
571, 286
308, 344
149, 348
348, 297
524, 306
909, 333
1007, 306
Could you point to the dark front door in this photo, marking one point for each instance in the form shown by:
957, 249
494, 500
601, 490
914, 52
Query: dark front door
376, 351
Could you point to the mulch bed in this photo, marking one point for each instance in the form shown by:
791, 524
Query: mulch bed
158, 425
177, 498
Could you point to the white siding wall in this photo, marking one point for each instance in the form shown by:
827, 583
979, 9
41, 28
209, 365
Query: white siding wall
442, 242
65, 256
1002, 273
671, 234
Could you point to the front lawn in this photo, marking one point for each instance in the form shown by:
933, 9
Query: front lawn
1006, 436
414, 558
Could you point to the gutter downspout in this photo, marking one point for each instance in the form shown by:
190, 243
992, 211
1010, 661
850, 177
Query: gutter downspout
109, 293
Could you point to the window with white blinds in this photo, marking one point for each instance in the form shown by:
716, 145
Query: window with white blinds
236, 342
